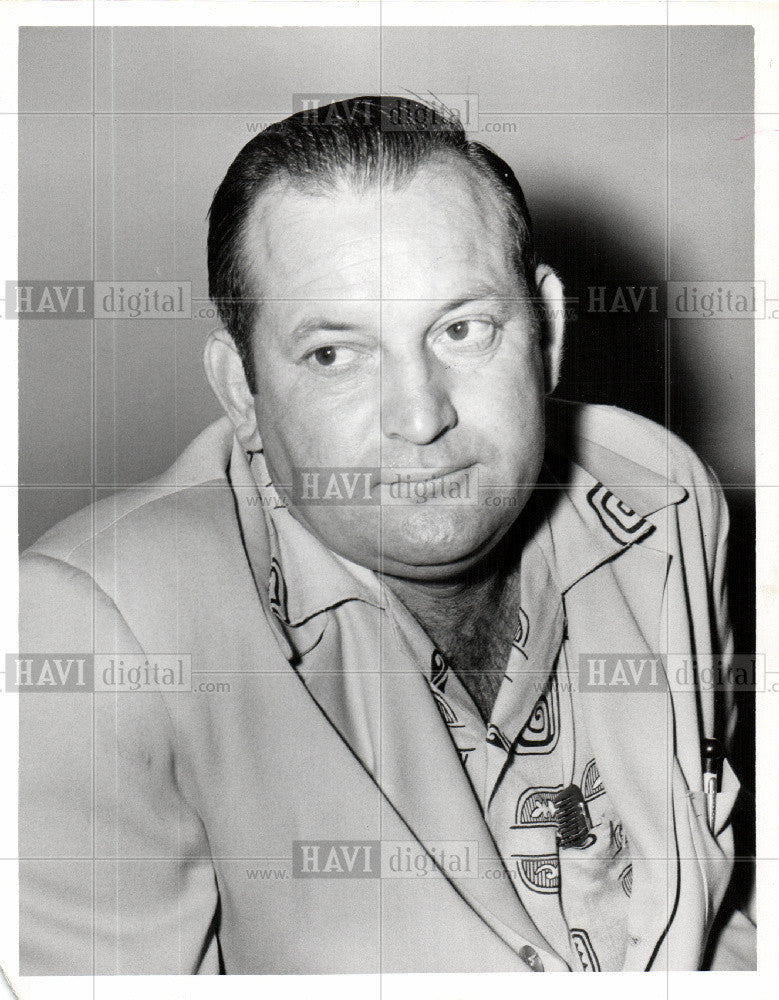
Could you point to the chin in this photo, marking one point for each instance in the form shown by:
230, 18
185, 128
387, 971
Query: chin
435, 543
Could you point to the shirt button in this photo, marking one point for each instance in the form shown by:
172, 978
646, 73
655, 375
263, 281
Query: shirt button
531, 956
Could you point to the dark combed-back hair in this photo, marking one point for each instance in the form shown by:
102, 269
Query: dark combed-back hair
363, 141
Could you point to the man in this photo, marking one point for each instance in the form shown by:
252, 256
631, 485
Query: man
416, 590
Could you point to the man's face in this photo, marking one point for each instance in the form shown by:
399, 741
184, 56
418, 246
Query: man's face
394, 333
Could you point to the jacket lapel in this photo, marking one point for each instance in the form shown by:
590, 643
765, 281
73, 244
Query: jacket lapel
391, 723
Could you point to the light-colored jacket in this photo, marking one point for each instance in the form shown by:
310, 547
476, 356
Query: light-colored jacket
156, 828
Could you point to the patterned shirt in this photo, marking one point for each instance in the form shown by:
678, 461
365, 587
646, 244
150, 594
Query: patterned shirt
577, 897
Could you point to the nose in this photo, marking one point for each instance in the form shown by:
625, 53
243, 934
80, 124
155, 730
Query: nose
415, 403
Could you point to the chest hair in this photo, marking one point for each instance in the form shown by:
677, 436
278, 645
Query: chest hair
477, 645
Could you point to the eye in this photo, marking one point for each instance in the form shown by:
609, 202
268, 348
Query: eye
330, 356
459, 331
473, 334
325, 356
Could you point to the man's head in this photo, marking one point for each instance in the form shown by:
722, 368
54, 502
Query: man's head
377, 280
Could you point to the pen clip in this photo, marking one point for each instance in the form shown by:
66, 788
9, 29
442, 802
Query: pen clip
712, 758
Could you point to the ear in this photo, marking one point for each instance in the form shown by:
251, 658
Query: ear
224, 369
550, 290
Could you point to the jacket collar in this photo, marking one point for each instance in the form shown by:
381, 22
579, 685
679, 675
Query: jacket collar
598, 501
590, 518
305, 578
296, 576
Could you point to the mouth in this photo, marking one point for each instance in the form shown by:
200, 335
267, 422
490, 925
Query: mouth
448, 486
413, 475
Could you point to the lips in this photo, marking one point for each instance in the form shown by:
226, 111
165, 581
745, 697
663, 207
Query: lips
413, 474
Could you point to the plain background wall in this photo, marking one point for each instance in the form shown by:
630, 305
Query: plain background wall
628, 143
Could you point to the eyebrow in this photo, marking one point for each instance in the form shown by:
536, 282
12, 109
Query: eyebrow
322, 323
325, 324
477, 293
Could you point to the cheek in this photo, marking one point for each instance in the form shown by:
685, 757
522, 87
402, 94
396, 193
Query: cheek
505, 406
302, 426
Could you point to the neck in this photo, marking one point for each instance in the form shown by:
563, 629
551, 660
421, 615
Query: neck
443, 606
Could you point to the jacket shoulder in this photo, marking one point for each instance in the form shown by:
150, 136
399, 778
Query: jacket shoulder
168, 555
164, 510
617, 445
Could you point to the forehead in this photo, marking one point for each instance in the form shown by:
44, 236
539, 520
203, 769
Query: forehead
444, 227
